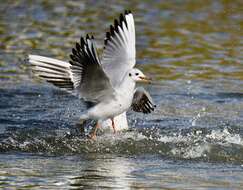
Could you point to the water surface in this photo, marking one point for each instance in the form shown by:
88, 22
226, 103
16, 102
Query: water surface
194, 139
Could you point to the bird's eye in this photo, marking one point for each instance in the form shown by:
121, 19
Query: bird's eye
136, 74
130, 74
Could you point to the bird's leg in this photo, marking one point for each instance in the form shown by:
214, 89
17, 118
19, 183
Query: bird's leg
92, 135
113, 125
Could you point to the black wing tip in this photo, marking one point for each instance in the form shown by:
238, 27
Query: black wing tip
107, 38
78, 47
82, 41
112, 30
108, 35
73, 58
122, 19
128, 12
117, 23
143, 103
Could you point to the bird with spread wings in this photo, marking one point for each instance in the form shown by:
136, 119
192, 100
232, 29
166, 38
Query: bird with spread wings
107, 84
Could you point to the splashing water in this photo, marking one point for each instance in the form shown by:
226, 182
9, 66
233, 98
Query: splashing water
194, 140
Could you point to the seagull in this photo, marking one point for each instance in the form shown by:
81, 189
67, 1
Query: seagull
107, 85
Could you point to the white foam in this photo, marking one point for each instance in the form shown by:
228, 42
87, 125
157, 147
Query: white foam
224, 136
197, 144
192, 151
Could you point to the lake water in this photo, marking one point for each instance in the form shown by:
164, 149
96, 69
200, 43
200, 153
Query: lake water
194, 139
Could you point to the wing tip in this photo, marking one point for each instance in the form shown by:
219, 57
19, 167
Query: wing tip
128, 11
116, 24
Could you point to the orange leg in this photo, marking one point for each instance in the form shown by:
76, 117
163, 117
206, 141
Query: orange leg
93, 133
113, 125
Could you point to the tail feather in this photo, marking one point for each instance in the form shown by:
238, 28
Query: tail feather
84, 117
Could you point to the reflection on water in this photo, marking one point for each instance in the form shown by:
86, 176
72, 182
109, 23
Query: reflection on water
114, 172
194, 139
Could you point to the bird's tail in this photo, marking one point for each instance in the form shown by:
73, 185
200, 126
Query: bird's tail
52, 70
83, 117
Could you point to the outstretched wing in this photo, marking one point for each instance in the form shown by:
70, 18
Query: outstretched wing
142, 101
119, 51
89, 79
53, 71
83, 74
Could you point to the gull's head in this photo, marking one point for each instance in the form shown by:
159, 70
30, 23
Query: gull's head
138, 76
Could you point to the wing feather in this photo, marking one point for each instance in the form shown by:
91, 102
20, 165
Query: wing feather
89, 78
82, 75
142, 101
119, 51
53, 71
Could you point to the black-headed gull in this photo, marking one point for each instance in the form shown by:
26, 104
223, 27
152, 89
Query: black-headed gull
108, 85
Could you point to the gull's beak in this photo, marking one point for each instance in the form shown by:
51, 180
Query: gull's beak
145, 79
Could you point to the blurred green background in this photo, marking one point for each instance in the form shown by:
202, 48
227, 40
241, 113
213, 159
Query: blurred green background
191, 40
